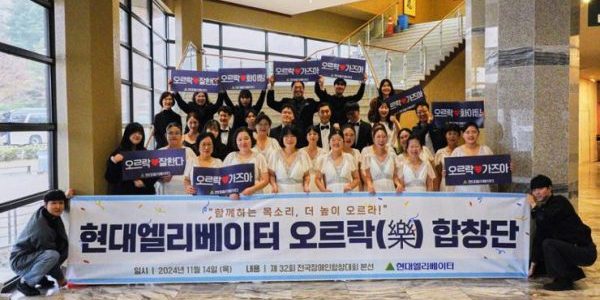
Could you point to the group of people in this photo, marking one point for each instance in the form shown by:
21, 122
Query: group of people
341, 153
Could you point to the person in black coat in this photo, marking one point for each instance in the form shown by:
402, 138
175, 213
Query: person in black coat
288, 118
325, 125
220, 150
562, 242
338, 100
305, 108
430, 135
164, 118
244, 105
133, 140
362, 128
201, 106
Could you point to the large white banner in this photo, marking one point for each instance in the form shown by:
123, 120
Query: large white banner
161, 239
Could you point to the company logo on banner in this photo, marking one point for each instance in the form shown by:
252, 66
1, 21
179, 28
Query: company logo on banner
243, 78
223, 181
407, 100
459, 113
153, 163
482, 169
288, 71
194, 81
138, 239
347, 68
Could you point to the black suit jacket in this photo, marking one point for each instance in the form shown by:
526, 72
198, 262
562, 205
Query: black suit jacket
305, 109
321, 137
436, 134
363, 138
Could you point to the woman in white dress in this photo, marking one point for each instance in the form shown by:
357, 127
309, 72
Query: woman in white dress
313, 152
381, 115
379, 165
204, 160
289, 168
471, 148
415, 173
174, 184
403, 136
452, 134
336, 171
243, 154
265, 144
349, 135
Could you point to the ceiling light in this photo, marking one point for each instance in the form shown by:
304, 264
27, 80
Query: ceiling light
586, 1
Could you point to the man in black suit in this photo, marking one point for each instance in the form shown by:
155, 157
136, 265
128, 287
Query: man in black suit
288, 118
325, 125
362, 128
305, 108
430, 136
338, 100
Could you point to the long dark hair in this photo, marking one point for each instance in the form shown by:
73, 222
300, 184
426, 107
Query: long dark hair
245, 94
380, 94
130, 129
205, 96
237, 132
374, 116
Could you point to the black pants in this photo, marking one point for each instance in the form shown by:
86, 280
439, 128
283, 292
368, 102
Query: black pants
562, 259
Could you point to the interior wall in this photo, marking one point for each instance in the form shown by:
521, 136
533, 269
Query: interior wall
588, 122
431, 10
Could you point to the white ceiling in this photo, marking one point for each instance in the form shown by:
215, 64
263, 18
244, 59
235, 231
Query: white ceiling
291, 7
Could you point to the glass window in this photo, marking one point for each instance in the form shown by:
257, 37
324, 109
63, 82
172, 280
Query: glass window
254, 61
141, 70
171, 21
211, 59
159, 21
30, 95
124, 32
160, 50
172, 55
140, 8
24, 24
125, 63
286, 44
160, 77
141, 106
210, 34
318, 48
243, 38
140, 37
26, 161
125, 111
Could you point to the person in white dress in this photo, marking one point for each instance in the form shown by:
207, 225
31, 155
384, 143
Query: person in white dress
204, 160
289, 168
379, 165
349, 138
174, 184
313, 152
452, 134
265, 144
471, 148
243, 154
403, 136
336, 171
380, 114
415, 173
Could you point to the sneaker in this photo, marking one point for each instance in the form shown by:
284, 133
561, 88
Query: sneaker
559, 284
45, 283
27, 290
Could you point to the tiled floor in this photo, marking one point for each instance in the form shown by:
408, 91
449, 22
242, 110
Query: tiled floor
589, 207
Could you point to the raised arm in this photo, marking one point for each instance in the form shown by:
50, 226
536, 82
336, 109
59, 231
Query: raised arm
261, 101
182, 104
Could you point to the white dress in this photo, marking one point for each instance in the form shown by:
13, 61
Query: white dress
415, 181
336, 176
382, 172
260, 164
479, 188
425, 155
290, 179
313, 168
176, 185
271, 146
357, 160
439, 161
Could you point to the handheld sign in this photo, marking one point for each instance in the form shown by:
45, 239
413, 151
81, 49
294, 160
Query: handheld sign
153, 163
288, 71
194, 81
243, 78
407, 100
347, 68
459, 113
223, 181
474, 170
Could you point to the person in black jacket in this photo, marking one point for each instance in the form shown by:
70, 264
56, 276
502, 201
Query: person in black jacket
42, 247
361, 128
244, 105
201, 105
220, 150
133, 140
562, 242
338, 100
305, 108
431, 136
164, 118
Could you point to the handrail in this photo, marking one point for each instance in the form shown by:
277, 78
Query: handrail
368, 22
452, 12
369, 63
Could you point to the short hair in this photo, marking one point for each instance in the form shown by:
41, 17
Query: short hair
238, 132
225, 109
290, 107
174, 124
212, 124
192, 114
334, 132
540, 181
285, 130
339, 81
205, 96
351, 106
451, 127
422, 104
263, 116
294, 82
163, 96
323, 104
470, 124
348, 126
55, 195
250, 110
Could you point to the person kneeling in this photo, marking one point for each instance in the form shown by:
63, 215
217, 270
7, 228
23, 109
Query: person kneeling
42, 247
562, 242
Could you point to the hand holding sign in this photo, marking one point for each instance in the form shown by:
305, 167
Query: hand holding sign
406, 100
